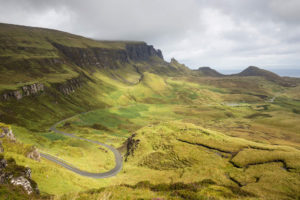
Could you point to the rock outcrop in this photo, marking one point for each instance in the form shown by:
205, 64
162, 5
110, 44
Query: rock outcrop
70, 86
34, 154
5, 131
10, 172
16, 175
142, 51
23, 182
12, 94
66, 88
33, 89
131, 144
27, 90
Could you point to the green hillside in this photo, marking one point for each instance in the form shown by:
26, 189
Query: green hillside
183, 134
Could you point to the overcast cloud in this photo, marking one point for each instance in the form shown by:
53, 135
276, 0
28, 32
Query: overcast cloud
222, 34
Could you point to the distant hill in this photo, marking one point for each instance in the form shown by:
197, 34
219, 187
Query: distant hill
255, 71
250, 71
207, 71
268, 75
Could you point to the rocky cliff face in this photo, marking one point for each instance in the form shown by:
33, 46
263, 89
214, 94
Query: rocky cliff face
70, 85
36, 89
16, 94
27, 90
32, 89
108, 58
142, 51
98, 57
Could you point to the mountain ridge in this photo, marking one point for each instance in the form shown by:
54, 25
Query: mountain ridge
32, 47
37, 54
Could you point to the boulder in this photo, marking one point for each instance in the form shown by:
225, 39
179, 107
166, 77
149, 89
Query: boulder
5, 131
34, 154
23, 182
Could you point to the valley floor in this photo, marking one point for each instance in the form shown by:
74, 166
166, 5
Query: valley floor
242, 149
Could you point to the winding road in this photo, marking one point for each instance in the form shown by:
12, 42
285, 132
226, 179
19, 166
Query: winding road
112, 172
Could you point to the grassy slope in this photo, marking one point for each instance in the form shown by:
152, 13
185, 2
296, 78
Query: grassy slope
24, 52
200, 104
160, 156
121, 105
176, 99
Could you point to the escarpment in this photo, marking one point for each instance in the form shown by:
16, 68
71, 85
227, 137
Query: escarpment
99, 57
29, 68
108, 58
142, 51
70, 85
36, 89
27, 90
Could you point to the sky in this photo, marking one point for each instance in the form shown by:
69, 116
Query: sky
227, 35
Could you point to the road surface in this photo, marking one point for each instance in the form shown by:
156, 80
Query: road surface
112, 172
